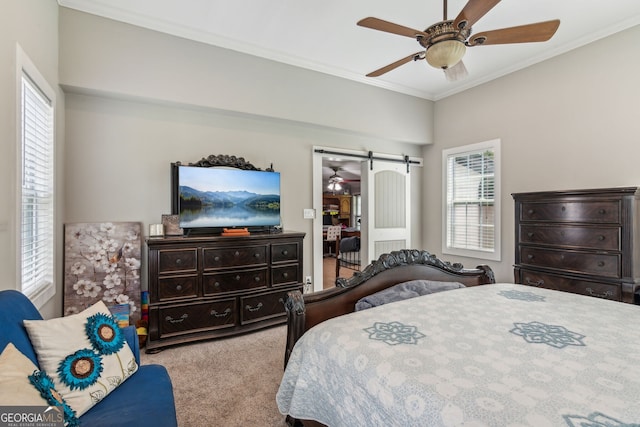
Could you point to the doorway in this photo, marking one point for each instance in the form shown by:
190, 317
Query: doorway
338, 205
367, 194
341, 207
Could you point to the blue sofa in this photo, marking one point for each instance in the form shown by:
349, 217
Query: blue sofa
144, 399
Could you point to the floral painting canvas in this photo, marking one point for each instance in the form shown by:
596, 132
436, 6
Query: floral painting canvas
102, 262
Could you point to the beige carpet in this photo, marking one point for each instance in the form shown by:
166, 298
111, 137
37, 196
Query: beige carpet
227, 382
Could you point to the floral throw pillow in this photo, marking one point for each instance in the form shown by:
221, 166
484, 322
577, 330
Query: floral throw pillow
85, 354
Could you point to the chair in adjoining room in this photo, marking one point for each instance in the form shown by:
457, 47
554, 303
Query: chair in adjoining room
348, 254
333, 238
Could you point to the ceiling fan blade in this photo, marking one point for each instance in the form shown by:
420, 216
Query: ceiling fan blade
457, 72
539, 32
389, 27
413, 57
472, 12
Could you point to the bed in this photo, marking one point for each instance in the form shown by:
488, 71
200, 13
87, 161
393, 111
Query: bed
494, 355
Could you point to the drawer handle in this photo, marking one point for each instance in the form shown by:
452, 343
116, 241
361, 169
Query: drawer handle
564, 208
256, 255
285, 275
256, 278
216, 258
530, 211
223, 314
530, 257
601, 238
602, 211
179, 288
285, 252
179, 261
256, 308
172, 320
530, 234
216, 285
236, 253
600, 263
237, 277
532, 283
605, 294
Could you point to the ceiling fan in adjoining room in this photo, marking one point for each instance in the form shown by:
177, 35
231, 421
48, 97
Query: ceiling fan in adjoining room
335, 180
445, 42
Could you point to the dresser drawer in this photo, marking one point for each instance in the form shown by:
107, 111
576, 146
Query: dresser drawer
215, 258
263, 306
610, 291
602, 212
285, 275
170, 260
600, 238
606, 265
182, 319
216, 283
176, 287
285, 252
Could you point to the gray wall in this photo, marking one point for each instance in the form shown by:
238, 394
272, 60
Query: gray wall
33, 24
570, 122
115, 58
138, 100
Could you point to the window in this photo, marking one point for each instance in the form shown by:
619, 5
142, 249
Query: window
471, 218
36, 184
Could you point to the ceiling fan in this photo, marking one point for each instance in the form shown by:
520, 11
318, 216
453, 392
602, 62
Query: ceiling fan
335, 181
445, 42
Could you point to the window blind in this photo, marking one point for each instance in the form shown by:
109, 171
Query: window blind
37, 226
470, 204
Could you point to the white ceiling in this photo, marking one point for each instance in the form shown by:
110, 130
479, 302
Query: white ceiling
323, 36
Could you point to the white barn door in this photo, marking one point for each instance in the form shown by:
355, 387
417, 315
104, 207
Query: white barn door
386, 209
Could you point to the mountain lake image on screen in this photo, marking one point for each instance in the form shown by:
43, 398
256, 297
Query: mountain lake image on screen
221, 197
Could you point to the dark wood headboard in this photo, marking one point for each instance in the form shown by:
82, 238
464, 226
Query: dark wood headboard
306, 311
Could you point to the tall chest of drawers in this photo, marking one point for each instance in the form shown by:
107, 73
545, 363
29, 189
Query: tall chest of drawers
210, 287
581, 241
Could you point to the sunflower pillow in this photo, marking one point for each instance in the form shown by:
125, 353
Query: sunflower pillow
85, 354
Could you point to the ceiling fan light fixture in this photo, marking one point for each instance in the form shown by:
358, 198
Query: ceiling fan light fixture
334, 186
445, 53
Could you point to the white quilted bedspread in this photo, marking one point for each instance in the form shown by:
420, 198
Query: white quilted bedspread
493, 355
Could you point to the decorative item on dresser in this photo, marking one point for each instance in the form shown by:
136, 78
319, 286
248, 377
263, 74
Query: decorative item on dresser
580, 241
213, 286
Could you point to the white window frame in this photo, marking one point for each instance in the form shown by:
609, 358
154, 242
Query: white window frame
447, 248
43, 288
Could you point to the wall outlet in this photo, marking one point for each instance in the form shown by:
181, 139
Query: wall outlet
307, 285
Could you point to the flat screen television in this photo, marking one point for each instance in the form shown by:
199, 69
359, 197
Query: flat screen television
209, 199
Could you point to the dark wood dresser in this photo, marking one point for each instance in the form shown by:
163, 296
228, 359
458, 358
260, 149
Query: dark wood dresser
581, 241
209, 287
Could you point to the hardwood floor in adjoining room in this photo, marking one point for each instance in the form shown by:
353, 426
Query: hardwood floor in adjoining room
329, 272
